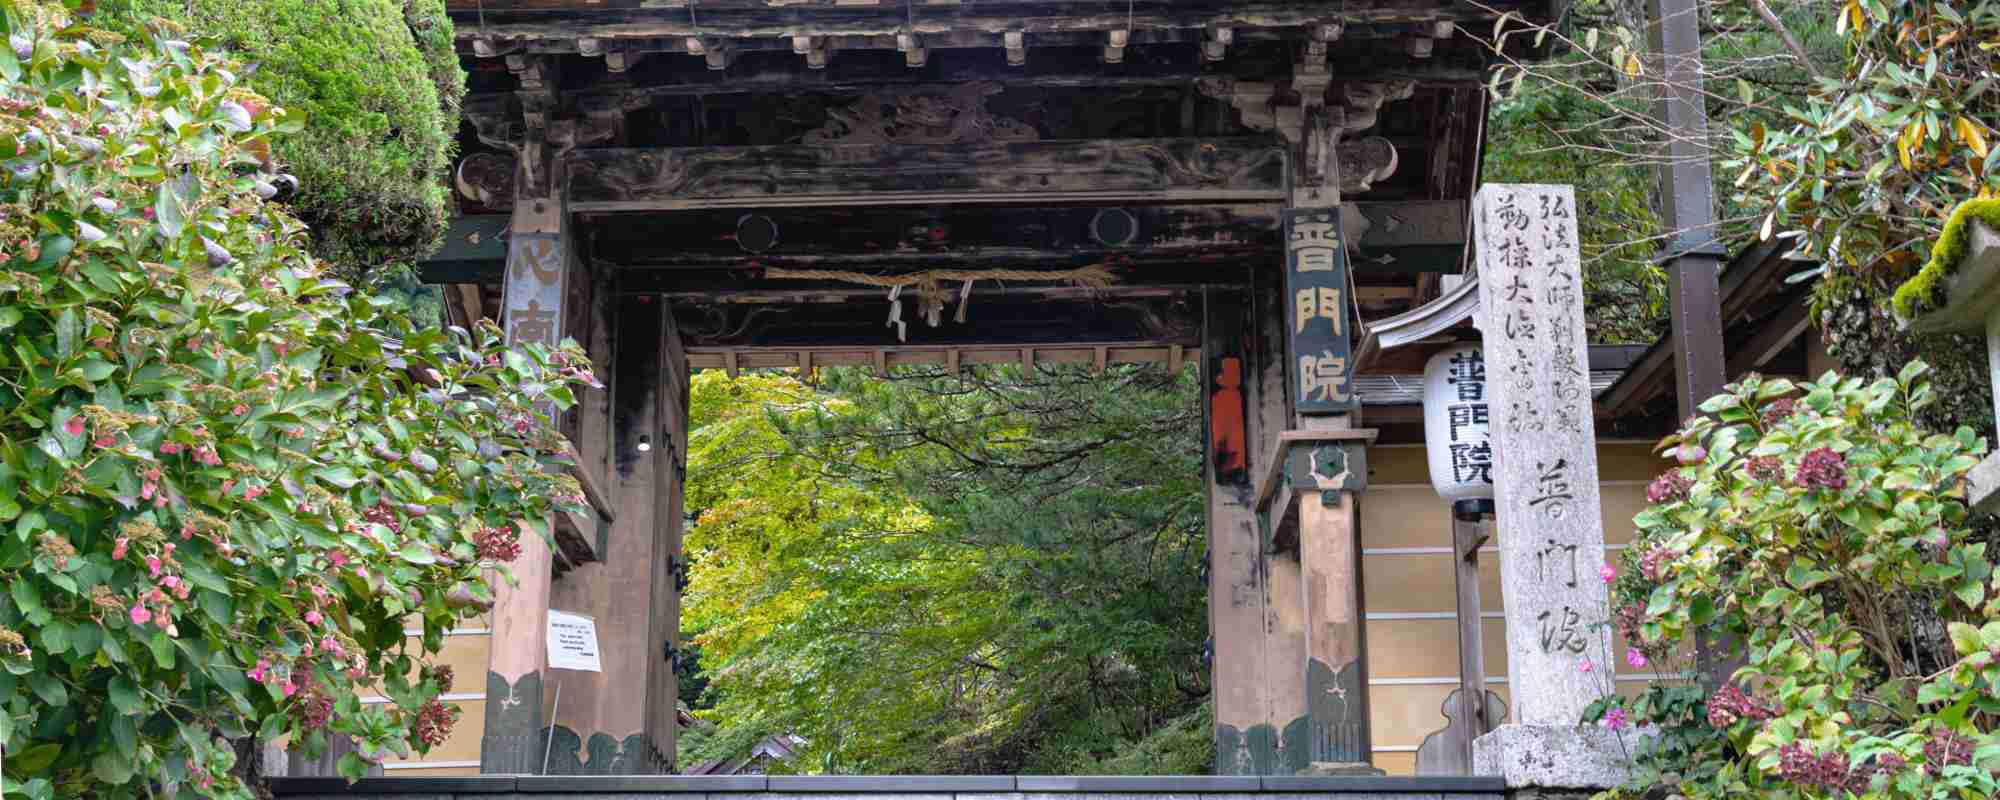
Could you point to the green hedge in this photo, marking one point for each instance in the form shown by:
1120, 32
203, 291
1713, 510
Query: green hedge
381, 89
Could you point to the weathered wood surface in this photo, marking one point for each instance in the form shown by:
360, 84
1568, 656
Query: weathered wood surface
1210, 239
598, 730
1336, 677
1161, 170
661, 703
1549, 519
540, 261
1168, 356
783, 72
738, 19
1469, 720
1284, 621
1245, 741
922, 236
1448, 751
995, 320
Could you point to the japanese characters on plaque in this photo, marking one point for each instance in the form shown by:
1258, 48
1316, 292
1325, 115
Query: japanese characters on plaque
1457, 423
1316, 311
534, 289
1544, 465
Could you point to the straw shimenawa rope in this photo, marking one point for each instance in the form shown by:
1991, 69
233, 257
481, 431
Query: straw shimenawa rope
930, 285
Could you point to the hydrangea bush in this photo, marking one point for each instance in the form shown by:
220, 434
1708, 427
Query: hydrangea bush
1820, 531
227, 483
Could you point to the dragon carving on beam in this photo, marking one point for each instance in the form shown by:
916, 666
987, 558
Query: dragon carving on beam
954, 116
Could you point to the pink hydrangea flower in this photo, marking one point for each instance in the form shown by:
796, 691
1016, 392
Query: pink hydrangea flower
257, 673
153, 565
171, 582
1607, 573
170, 448
141, 615
105, 441
312, 617
118, 550
74, 426
1635, 658
338, 558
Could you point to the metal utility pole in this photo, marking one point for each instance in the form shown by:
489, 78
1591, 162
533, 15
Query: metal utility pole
1693, 257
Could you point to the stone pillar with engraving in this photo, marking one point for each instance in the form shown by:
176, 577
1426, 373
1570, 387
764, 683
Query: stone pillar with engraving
1549, 521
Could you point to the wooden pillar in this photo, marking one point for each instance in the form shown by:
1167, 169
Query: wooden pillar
1245, 744
539, 263
1471, 526
1285, 618
1259, 698
669, 564
598, 729
1325, 455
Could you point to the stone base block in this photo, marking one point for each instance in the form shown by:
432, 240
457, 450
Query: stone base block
1336, 768
1557, 757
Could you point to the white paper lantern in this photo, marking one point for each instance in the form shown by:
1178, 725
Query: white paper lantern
1455, 424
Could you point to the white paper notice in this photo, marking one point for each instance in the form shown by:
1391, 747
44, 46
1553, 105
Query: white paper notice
573, 642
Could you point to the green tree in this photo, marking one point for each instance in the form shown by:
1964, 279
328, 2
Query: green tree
379, 86
990, 573
1853, 126
227, 482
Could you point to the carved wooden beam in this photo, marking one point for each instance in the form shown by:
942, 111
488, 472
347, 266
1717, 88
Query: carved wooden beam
704, 251
1107, 171
948, 357
759, 19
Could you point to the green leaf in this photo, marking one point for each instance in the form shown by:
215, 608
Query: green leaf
114, 650
26, 598
49, 688
125, 734
167, 210
339, 476
163, 650
1701, 611
1965, 638
1661, 601
418, 553
55, 638
124, 695
352, 766
111, 768
98, 369
34, 759
1803, 577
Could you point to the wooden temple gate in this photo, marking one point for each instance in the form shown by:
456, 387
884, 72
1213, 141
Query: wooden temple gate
740, 184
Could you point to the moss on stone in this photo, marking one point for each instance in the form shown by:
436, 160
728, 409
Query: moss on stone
1921, 293
381, 89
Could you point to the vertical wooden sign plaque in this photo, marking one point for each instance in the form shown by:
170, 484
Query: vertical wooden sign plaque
1316, 311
